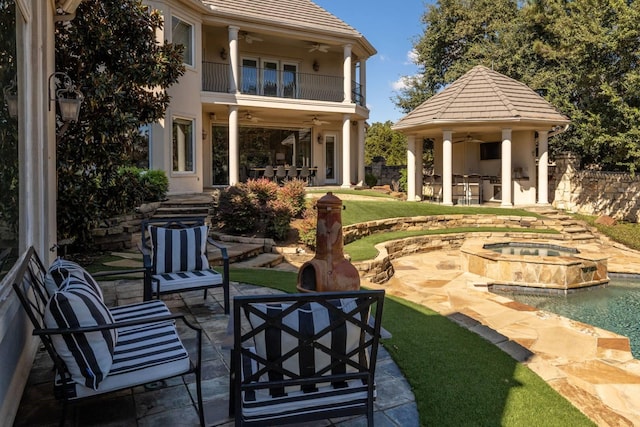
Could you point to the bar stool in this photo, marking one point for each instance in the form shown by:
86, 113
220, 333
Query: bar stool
268, 173
292, 172
304, 173
281, 174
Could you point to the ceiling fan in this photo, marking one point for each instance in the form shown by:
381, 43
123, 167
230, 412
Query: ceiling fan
468, 138
317, 122
250, 117
249, 38
319, 47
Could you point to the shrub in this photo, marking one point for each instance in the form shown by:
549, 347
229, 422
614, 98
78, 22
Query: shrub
370, 179
155, 185
278, 219
307, 227
264, 189
402, 182
292, 192
238, 209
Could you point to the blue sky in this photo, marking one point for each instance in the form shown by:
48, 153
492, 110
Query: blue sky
391, 27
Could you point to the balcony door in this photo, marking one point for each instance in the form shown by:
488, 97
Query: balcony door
249, 76
269, 78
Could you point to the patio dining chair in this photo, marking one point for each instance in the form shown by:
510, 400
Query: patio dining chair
292, 172
175, 258
269, 173
304, 174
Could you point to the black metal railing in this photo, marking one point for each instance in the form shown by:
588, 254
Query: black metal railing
278, 83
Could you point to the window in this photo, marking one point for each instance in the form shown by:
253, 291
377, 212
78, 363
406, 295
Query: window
183, 145
269, 78
490, 151
250, 76
289, 81
182, 33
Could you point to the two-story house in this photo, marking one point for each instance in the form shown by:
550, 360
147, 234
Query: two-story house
266, 83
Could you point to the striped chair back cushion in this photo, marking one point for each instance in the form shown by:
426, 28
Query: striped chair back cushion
61, 269
88, 356
180, 249
274, 342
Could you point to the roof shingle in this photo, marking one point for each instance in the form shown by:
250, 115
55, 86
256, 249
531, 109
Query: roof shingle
483, 95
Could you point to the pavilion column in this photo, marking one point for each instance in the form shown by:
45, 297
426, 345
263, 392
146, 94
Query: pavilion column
361, 137
346, 151
234, 60
363, 81
543, 167
234, 146
346, 72
447, 167
506, 168
411, 168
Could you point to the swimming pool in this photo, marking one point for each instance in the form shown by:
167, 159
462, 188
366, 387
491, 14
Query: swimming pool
615, 308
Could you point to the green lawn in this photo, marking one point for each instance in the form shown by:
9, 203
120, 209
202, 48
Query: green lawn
364, 248
356, 211
458, 378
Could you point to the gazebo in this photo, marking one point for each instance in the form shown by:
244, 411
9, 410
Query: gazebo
490, 138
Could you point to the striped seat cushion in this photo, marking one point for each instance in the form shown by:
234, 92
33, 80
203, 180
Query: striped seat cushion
61, 269
185, 280
87, 356
143, 310
183, 249
277, 345
141, 355
261, 406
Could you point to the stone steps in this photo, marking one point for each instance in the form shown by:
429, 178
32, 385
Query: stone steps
264, 260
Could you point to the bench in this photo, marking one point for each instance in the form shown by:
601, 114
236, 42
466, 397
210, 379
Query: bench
95, 349
175, 258
304, 357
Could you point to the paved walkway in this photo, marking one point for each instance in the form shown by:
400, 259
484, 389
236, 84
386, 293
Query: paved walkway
592, 368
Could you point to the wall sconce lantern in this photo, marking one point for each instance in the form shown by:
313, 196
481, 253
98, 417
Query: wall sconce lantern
10, 94
204, 134
316, 66
223, 54
67, 96
320, 139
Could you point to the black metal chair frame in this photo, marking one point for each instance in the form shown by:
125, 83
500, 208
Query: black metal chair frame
370, 334
178, 223
28, 282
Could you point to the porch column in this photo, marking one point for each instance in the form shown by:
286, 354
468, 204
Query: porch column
346, 72
234, 60
234, 146
361, 137
543, 167
506, 168
363, 81
447, 167
346, 151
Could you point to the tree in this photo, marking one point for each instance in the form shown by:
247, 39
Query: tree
582, 53
383, 141
109, 50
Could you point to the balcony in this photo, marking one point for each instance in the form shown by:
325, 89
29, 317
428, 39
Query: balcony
278, 83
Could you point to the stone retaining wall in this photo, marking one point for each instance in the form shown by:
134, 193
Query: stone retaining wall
380, 269
615, 194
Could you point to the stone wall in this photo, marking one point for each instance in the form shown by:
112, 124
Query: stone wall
615, 194
380, 269
386, 175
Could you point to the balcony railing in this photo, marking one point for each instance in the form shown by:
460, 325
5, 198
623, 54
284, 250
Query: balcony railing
278, 83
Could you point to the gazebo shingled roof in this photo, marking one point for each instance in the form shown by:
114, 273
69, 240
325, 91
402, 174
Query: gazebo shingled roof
482, 95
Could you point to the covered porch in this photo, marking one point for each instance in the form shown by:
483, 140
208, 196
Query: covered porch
490, 140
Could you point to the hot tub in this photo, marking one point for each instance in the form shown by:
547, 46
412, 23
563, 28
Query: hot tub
525, 266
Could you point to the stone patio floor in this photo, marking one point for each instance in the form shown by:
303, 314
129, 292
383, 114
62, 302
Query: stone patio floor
172, 403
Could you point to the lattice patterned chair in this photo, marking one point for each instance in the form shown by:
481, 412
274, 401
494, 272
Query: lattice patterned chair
304, 357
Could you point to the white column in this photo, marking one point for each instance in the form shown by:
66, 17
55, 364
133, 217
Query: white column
346, 72
363, 81
234, 60
418, 176
447, 167
346, 151
411, 168
234, 146
361, 138
543, 167
506, 168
